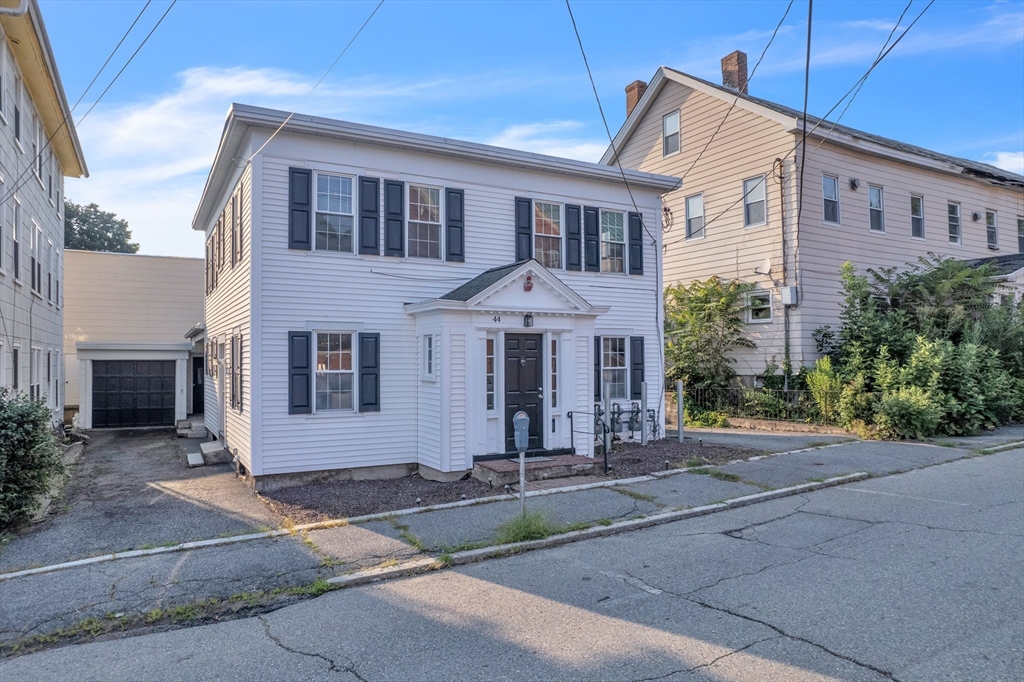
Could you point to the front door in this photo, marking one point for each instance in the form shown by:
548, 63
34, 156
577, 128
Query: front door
524, 388
198, 376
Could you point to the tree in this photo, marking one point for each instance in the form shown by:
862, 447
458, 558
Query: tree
703, 323
90, 229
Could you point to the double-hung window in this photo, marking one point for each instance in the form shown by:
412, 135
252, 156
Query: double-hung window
1020, 234
953, 211
424, 222
830, 198
613, 241
916, 216
429, 358
754, 212
759, 308
547, 233
35, 359
695, 216
16, 235
613, 367
875, 209
15, 368
333, 371
37, 150
670, 133
489, 372
991, 230
334, 218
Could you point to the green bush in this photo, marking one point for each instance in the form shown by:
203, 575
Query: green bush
704, 419
826, 387
764, 404
29, 457
856, 403
908, 412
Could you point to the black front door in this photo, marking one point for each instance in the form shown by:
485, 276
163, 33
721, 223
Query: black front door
524, 387
198, 389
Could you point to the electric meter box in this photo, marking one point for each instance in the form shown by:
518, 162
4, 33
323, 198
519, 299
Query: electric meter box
788, 295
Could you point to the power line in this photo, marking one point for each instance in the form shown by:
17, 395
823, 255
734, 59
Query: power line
803, 144
111, 56
336, 60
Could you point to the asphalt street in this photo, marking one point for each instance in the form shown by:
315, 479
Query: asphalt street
916, 576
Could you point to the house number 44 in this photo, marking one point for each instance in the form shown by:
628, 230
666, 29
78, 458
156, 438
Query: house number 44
496, 318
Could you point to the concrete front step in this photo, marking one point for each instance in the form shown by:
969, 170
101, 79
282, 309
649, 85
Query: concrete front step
214, 452
502, 472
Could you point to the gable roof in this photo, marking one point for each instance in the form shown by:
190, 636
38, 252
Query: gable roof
793, 121
242, 116
1002, 265
481, 282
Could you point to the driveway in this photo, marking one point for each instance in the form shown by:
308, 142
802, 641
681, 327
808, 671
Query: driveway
132, 489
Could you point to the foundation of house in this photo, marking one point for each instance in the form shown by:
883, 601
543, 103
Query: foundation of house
502, 472
432, 474
272, 482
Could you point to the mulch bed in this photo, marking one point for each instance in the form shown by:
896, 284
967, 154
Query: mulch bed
343, 499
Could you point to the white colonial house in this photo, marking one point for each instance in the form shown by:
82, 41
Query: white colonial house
381, 302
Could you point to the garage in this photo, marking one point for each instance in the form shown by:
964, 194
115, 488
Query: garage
133, 393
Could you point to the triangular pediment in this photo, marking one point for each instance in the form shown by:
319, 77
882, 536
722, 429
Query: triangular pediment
529, 288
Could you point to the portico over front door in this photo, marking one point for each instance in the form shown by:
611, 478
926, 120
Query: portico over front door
524, 388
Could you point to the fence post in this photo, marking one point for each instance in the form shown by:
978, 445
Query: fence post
679, 408
643, 413
607, 429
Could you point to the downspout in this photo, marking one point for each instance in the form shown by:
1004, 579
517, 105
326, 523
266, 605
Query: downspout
781, 177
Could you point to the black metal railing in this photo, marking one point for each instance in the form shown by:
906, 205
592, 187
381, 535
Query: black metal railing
763, 403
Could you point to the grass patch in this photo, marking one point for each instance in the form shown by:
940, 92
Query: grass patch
693, 462
724, 476
531, 526
406, 534
947, 444
444, 560
604, 522
642, 497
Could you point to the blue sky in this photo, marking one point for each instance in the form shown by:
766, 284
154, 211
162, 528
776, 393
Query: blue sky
503, 73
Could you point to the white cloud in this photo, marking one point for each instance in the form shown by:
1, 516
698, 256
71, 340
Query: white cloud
1011, 161
554, 138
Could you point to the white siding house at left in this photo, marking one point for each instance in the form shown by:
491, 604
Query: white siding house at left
381, 301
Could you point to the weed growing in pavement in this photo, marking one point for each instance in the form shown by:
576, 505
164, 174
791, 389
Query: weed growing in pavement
642, 497
387, 563
694, 462
604, 522
444, 560
700, 471
724, 476
406, 534
530, 526
947, 443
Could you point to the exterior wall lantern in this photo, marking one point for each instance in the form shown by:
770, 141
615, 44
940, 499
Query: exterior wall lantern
528, 320
528, 284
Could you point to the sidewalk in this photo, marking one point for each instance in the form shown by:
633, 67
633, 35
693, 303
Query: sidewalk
266, 572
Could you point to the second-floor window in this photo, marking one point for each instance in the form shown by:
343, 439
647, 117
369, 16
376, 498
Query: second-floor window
695, 216
1020, 234
953, 211
16, 235
754, 202
547, 231
916, 216
613, 241
670, 133
830, 198
991, 230
424, 222
334, 217
875, 210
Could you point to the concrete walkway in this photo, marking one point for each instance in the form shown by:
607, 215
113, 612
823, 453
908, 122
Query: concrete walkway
48, 601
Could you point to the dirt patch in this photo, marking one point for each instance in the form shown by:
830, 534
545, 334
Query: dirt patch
629, 459
345, 499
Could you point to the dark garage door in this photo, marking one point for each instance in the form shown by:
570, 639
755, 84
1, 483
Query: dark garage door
132, 393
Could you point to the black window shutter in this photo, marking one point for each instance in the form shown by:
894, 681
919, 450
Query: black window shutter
394, 218
455, 237
597, 369
573, 238
369, 372
592, 238
369, 216
300, 372
636, 366
300, 203
524, 229
636, 245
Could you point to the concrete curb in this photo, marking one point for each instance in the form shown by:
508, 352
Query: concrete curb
1004, 447
474, 555
366, 518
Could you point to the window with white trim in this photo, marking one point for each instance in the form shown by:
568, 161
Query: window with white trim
916, 216
547, 233
37, 264
695, 216
830, 198
16, 236
489, 373
613, 367
1020, 234
15, 368
991, 230
554, 372
3, 365
49, 373
334, 214
876, 211
37, 149
613, 241
57, 367
670, 133
953, 212
424, 222
754, 201
759, 308
429, 360
35, 358
333, 371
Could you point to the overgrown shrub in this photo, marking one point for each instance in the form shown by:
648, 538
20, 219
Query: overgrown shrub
908, 412
29, 457
856, 403
825, 386
697, 418
765, 404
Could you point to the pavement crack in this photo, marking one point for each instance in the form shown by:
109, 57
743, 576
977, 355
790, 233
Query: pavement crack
332, 666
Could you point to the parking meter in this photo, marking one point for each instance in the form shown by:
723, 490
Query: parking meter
521, 431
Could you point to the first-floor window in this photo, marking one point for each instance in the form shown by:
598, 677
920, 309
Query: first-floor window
334, 216
554, 372
3, 365
15, 367
953, 211
424, 222
613, 366
235, 365
33, 374
428, 356
760, 307
613, 241
695, 216
489, 347
877, 213
754, 212
916, 216
547, 231
333, 371
991, 230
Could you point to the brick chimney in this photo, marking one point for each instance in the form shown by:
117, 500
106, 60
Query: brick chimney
634, 91
734, 72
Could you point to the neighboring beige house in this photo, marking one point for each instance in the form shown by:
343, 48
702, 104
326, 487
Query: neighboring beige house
867, 199
130, 345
